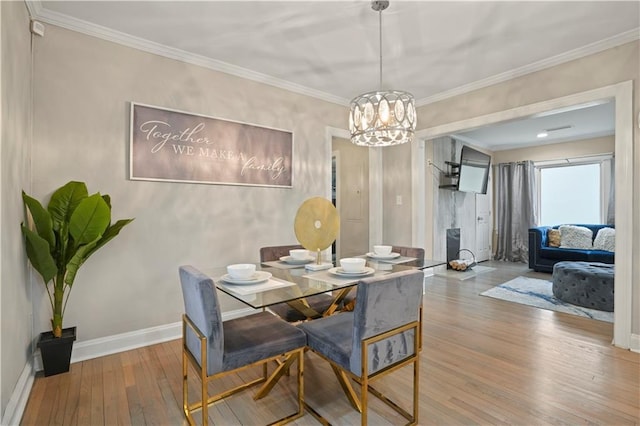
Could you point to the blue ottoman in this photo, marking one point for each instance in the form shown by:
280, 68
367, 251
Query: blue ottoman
587, 284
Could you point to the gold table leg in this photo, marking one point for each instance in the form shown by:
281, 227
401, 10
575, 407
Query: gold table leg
275, 376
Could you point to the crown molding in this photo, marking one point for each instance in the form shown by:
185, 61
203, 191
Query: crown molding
590, 49
34, 7
47, 16
104, 33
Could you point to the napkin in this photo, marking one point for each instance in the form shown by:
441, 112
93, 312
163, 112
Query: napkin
318, 266
243, 289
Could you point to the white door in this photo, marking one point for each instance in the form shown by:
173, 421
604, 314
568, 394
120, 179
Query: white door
352, 197
483, 227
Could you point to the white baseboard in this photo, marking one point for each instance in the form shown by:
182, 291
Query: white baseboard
634, 343
19, 397
92, 349
102, 346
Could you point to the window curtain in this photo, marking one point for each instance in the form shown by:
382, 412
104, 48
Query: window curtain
517, 209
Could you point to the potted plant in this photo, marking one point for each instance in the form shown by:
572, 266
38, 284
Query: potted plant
59, 239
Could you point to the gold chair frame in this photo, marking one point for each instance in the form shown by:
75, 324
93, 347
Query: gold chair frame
364, 380
205, 379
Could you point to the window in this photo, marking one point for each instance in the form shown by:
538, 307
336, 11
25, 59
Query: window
571, 193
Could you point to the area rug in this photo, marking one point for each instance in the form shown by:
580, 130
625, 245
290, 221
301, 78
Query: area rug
536, 292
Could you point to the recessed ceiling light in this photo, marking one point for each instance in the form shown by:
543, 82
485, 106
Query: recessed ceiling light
545, 132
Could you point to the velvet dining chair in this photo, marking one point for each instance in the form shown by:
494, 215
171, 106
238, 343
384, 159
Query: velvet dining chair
215, 348
416, 252
377, 338
318, 303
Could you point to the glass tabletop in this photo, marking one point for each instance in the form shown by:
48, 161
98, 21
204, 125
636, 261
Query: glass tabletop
407, 261
276, 285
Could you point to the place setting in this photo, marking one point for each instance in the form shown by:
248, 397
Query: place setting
244, 279
384, 254
351, 267
298, 257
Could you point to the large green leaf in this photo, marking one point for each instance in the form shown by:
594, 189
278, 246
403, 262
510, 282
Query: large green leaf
41, 218
107, 199
77, 260
64, 201
109, 234
89, 220
39, 255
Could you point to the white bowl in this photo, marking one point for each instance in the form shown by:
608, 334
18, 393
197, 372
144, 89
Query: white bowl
352, 264
299, 254
241, 271
382, 250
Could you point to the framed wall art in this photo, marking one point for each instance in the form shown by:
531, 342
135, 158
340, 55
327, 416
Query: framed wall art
177, 146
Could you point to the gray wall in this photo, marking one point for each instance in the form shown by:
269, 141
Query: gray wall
15, 307
451, 209
83, 87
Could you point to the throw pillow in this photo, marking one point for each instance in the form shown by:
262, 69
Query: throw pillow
553, 236
605, 239
576, 237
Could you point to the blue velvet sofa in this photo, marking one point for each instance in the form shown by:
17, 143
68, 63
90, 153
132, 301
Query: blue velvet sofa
542, 257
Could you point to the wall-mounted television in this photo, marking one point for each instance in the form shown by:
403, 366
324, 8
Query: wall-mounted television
474, 171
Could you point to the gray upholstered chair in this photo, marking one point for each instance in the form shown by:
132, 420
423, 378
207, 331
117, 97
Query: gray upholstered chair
215, 348
416, 252
318, 303
377, 338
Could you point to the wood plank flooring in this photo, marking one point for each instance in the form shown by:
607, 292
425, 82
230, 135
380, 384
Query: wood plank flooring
484, 361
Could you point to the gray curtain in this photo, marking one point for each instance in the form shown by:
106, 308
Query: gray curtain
517, 209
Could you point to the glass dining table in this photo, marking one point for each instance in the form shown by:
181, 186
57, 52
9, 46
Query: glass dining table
281, 282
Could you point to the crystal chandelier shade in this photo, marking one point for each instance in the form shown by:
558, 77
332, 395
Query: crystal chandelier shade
382, 117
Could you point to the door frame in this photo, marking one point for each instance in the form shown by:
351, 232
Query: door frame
335, 156
622, 94
480, 255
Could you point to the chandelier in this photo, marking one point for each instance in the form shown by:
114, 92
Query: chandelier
383, 117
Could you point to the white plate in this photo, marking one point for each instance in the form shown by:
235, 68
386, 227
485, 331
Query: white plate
340, 272
258, 277
383, 256
290, 260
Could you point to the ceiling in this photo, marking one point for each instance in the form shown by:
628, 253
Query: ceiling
587, 121
330, 49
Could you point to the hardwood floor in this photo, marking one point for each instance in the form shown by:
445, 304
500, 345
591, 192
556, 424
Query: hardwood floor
484, 361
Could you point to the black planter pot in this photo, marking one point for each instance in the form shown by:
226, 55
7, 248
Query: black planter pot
56, 351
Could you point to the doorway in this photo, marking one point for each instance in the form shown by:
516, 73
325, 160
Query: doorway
350, 179
622, 94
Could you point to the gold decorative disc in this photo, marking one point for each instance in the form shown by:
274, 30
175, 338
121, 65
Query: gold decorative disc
317, 224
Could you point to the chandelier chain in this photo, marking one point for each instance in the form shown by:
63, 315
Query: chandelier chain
380, 43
